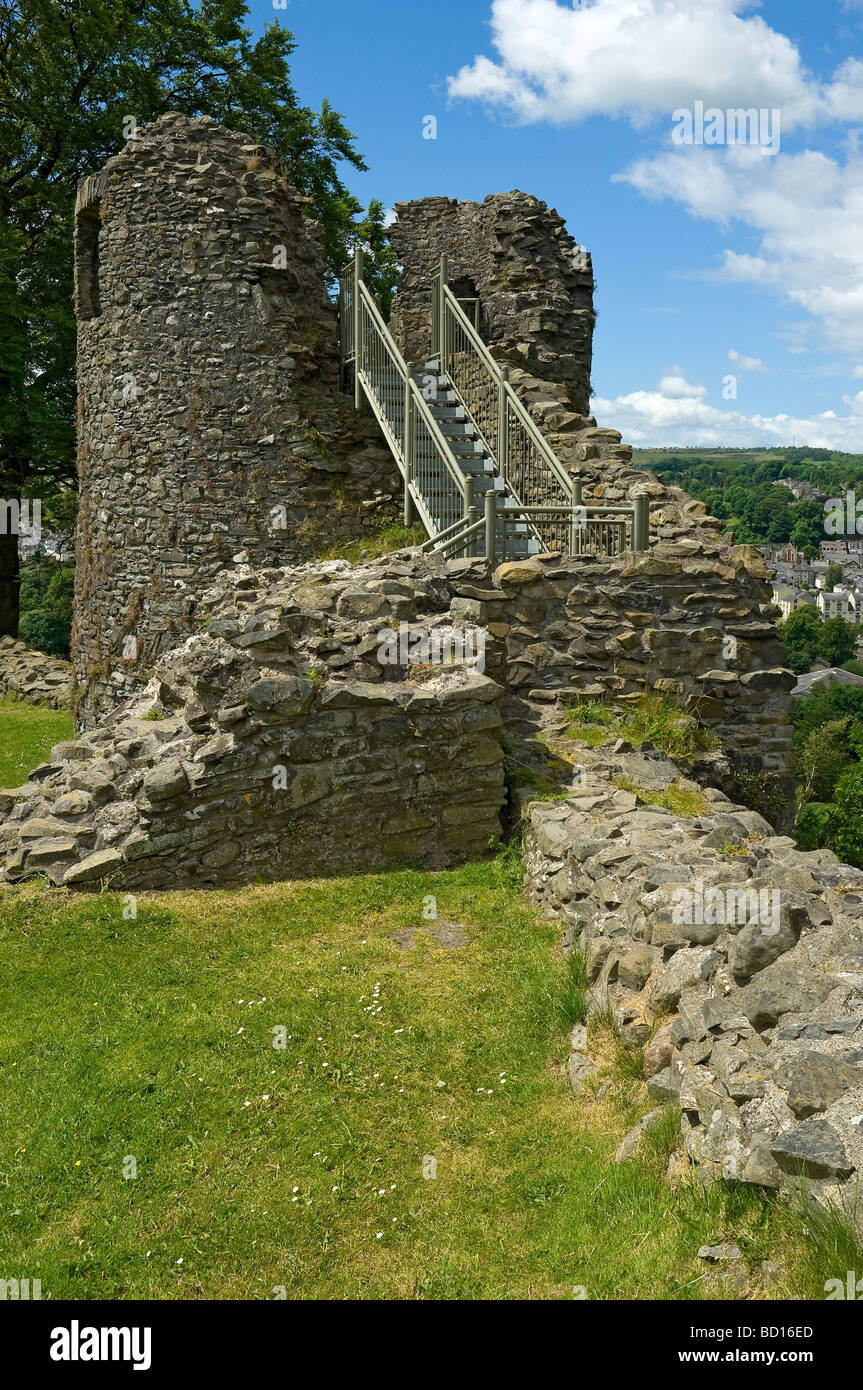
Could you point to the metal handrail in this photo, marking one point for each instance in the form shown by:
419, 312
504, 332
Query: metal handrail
547, 500
501, 376
523, 457
610, 517
424, 458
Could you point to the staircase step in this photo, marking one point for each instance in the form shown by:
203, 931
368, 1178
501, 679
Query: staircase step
463, 445
457, 429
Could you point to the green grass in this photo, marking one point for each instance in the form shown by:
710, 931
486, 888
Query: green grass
682, 800
383, 542
574, 995
127, 1038
652, 719
410, 1045
27, 735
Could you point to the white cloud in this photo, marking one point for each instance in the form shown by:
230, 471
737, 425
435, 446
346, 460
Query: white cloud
642, 59
807, 210
858, 370
639, 57
653, 417
744, 363
676, 387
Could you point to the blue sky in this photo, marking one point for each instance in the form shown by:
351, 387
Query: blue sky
711, 261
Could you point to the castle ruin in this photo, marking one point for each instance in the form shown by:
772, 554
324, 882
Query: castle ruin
237, 719
210, 422
234, 711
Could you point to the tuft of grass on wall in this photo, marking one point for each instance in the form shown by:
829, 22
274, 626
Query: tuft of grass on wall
652, 719
680, 799
372, 546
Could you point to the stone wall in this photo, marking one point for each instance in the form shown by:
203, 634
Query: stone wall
534, 283
387, 752
210, 423
733, 959
33, 675
696, 624
225, 772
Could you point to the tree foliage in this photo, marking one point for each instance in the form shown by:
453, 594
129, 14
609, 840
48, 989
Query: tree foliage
808, 638
828, 741
71, 73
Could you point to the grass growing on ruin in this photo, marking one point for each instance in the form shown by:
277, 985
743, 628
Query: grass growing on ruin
375, 544
27, 735
411, 1046
652, 719
682, 800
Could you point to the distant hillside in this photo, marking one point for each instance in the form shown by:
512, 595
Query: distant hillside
817, 466
738, 486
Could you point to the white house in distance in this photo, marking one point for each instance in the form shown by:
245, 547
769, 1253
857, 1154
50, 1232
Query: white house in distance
789, 599
843, 602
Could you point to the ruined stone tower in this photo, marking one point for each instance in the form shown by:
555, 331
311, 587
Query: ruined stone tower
533, 281
534, 286
210, 421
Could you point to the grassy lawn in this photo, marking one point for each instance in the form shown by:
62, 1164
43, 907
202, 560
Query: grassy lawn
27, 735
412, 1046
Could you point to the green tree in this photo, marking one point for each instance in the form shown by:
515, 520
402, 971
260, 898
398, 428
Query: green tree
71, 71
824, 758
801, 633
380, 266
807, 531
845, 826
832, 577
836, 641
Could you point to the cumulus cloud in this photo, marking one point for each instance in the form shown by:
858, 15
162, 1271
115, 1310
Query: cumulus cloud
644, 59
640, 57
677, 388
744, 363
807, 210
649, 418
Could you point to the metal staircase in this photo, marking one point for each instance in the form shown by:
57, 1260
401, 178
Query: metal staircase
477, 471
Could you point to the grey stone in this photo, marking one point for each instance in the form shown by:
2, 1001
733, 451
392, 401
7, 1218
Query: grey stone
74, 804
687, 967
579, 1067
165, 780
664, 1085
782, 988
95, 866
716, 1253
812, 1150
631, 1142
813, 1081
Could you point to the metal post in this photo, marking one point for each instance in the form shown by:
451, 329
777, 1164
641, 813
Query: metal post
410, 512
442, 329
574, 529
469, 513
491, 526
503, 424
640, 521
435, 315
342, 365
358, 279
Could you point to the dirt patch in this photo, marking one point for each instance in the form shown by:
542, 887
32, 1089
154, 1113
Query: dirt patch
445, 932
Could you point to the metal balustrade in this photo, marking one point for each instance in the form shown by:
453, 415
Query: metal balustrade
477, 470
